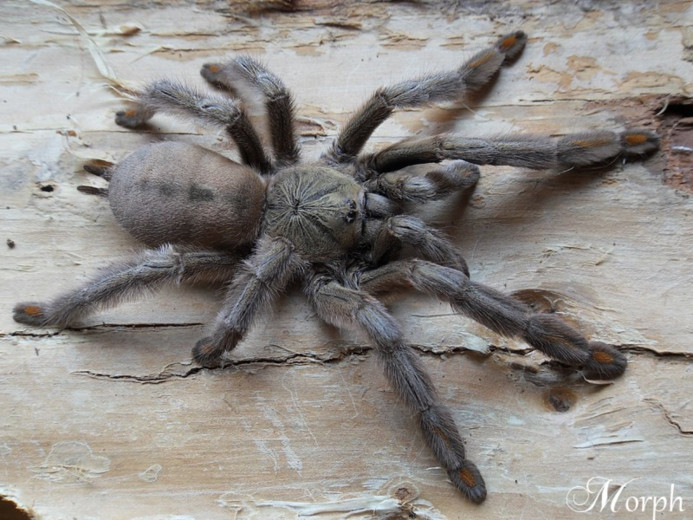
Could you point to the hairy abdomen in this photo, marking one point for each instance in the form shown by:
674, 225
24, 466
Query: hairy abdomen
184, 194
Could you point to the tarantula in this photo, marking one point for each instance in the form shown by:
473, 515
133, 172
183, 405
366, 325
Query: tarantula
335, 225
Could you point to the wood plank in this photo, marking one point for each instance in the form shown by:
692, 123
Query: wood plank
114, 420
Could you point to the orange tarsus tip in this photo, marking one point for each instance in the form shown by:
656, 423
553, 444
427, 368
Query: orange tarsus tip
603, 357
214, 68
508, 42
33, 310
131, 113
467, 477
635, 139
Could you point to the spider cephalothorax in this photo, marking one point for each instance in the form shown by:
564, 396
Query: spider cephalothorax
321, 208
335, 225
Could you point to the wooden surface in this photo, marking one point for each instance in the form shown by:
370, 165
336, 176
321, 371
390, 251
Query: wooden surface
115, 421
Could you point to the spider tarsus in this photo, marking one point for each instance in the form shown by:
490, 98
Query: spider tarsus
639, 142
512, 44
98, 167
469, 173
30, 313
210, 72
469, 481
605, 362
128, 118
92, 190
457, 175
206, 354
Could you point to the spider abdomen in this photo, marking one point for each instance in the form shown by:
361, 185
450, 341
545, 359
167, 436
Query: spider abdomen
184, 194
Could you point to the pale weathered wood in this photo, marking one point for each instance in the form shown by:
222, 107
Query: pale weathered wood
115, 421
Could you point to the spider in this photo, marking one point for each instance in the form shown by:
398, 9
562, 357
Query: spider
335, 225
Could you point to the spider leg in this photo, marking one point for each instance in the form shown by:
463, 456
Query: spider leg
99, 167
181, 100
427, 242
145, 271
527, 151
421, 91
266, 272
342, 306
278, 100
434, 184
500, 313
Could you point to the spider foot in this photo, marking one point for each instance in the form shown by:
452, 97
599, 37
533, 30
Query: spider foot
512, 44
211, 72
98, 167
458, 175
468, 479
132, 118
605, 362
206, 354
639, 142
30, 313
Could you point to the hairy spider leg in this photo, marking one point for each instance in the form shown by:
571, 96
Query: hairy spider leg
264, 274
183, 101
527, 151
500, 313
146, 271
428, 242
342, 306
445, 86
230, 77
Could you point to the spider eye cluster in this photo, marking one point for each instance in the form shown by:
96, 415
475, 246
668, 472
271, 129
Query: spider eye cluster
353, 213
316, 208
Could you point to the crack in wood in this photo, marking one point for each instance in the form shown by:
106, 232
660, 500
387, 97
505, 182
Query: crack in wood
544, 374
295, 358
668, 416
640, 349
